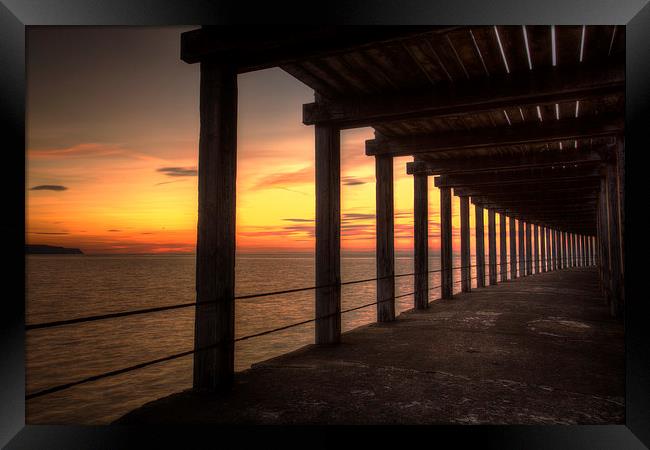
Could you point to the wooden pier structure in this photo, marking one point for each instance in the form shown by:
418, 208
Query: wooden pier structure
526, 123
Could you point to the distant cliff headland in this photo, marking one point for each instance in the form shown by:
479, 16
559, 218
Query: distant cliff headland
51, 250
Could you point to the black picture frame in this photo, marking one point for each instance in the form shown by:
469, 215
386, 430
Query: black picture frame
16, 15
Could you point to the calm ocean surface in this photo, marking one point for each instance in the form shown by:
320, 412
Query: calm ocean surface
68, 286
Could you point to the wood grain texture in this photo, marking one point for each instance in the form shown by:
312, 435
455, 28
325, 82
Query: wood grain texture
480, 246
446, 275
328, 235
215, 252
522, 249
492, 245
465, 258
421, 240
385, 239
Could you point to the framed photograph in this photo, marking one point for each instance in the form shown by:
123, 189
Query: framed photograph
235, 221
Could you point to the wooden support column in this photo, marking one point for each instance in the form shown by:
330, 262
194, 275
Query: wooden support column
549, 260
542, 249
446, 276
529, 251
570, 248
503, 249
328, 234
563, 250
492, 244
604, 245
522, 249
615, 242
554, 265
574, 249
536, 260
620, 178
384, 238
480, 246
465, 257
421, 240
513, 249
214, 324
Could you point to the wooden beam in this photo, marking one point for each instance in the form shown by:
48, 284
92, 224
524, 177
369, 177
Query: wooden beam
531, 176
465, 258
566, 187
446, 275
480, 246
257, 47
499, 163
503, 252
528, 133
421, 241
214, 328
492, 244
552, 85
384, 237
328, 235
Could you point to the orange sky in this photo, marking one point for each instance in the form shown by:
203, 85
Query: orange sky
112, 152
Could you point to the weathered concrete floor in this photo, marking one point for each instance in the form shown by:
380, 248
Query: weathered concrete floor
537, 350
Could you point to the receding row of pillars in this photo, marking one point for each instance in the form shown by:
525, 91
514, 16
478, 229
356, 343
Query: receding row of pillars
215, 268
541, 249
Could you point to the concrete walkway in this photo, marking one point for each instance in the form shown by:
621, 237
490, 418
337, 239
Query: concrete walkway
537, 350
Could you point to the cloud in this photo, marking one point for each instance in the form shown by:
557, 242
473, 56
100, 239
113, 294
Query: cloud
352, 181
49, 187
299, 220
114, 231
43, 232
179, 171
302, 176
358, 216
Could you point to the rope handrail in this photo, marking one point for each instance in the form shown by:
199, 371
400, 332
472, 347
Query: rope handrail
112, 373
115, 315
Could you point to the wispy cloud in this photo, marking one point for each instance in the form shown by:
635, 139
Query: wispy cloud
353, 181
179, 171
49, 187
299, 220
302, 176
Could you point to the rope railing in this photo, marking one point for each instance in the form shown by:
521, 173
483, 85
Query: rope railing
142, 365
134, 312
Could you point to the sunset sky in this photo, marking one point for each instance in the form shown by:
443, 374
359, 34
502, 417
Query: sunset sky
112, 150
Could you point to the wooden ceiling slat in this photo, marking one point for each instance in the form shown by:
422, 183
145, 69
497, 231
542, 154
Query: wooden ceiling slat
426, 61
489, 47
301, 72
452, 62
325, 76
514, 47
597, 40
337, 65
462, 41
411, 74
539, 41
568, 44
359, 63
